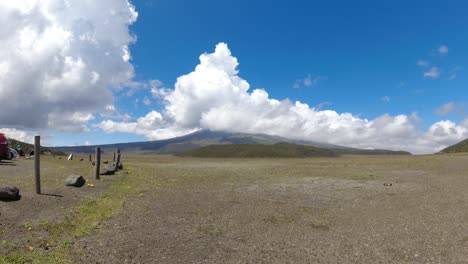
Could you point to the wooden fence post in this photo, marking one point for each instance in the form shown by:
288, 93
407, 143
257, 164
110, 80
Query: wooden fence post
37, 163
113, 159
90, 158
118, 161
98, 163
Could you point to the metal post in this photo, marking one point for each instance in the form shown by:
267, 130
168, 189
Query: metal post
37, 162
98, 162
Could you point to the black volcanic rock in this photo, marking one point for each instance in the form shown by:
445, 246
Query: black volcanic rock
9, 193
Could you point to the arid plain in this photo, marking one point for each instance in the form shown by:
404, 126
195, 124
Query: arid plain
350, 209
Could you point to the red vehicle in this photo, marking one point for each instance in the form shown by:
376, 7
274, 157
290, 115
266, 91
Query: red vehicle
4, 148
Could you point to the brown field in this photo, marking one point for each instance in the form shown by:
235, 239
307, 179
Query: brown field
188, 210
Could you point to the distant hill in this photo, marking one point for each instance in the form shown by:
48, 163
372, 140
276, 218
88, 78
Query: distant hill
26, 146
457, 148
205, 138
191, 141
354, 151
278, 150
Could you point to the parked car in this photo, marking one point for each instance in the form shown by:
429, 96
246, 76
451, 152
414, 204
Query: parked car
4, 148
13, 153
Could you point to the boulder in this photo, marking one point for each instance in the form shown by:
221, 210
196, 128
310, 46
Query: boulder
105, 171
75, 181
108, 170
111, 169
9, 193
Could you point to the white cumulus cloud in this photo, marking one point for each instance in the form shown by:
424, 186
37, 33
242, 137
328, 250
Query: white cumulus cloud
18, 135
60, 60
152, 126
214, 97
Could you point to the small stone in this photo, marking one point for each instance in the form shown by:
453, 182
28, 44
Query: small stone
122, 172
75, 181
387, 184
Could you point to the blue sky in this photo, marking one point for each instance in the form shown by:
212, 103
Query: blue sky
362, 51
366, 58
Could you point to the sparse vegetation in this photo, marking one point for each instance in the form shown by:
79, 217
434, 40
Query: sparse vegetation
278, 150
196, 210
457, 148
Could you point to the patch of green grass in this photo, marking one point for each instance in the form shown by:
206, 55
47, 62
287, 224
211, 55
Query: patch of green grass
8, 246
86, 216
33, 258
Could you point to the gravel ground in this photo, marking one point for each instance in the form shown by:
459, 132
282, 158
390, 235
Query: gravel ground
52, 206
336, 210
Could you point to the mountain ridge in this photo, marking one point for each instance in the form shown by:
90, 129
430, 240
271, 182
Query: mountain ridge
204, 138
459, 147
